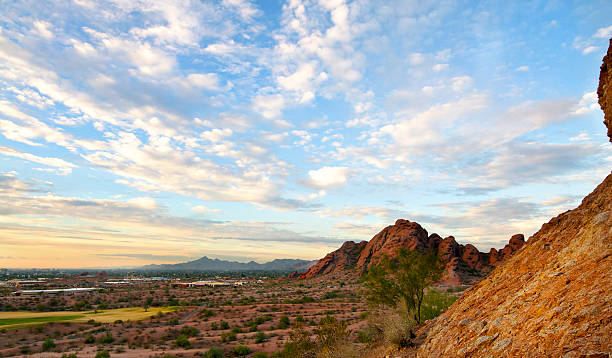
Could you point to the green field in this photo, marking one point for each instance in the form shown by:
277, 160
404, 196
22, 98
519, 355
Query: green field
19, 319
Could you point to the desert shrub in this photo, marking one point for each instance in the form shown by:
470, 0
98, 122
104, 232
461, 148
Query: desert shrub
89, 339
214, 326
392, 328
207, 313
241, 350
228, 337
106, 339
182, 341
260, 355
213, 353
173, 322
189, 331
283, 322
69, 355
330, 332
48, 345
260, 337
299, 345
102, 354
224, 325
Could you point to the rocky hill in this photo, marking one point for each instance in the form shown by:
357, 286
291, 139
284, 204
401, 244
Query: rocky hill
604, 91
554, 297
464, 263
216, 265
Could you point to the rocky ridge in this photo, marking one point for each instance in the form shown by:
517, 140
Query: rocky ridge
551, 299
604, 90
464, 263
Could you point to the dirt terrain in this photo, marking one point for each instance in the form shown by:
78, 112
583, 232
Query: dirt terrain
260, 316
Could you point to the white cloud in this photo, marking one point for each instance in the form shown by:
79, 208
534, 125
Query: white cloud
64, 166
244, 7
587, 103
146, 203
201, 209
440, 67
43, 29
604, 32
204, 80
522, 68
328, 177
269, 106
589, 49
461, 83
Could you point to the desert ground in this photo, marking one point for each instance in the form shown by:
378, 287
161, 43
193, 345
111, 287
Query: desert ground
164, 318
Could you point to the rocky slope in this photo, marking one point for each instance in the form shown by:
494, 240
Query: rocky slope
553, 298
464, 263
604, 91
342, 259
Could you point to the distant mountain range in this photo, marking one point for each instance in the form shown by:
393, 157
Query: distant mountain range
207, 264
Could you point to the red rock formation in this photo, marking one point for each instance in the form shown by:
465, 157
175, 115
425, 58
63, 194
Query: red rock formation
342, 259
294, 274
463, 263
604, 91
497, 257
404, 234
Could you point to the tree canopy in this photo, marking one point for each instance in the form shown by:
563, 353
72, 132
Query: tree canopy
402, 280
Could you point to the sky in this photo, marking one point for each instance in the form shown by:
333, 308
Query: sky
135, 132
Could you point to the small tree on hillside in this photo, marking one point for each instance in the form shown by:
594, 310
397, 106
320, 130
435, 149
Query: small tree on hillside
401, 281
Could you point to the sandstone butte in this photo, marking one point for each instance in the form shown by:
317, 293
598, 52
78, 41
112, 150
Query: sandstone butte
464, 263
554, 297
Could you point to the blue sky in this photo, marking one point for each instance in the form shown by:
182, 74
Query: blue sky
136, 132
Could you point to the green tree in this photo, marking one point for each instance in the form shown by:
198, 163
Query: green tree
401, 281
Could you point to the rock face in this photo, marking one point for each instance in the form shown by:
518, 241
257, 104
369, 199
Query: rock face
403, 234
463, 263
342, 259
553, 297
497, 257
604, 91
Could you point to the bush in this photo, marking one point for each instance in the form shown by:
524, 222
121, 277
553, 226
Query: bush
106, 339
213, 353
182, 341
260, 337
393, 328
241, 350
284, 322
228, 337
48, 345
90, 339
260, 355
189, 331
103, 354
224, 325
71, 355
